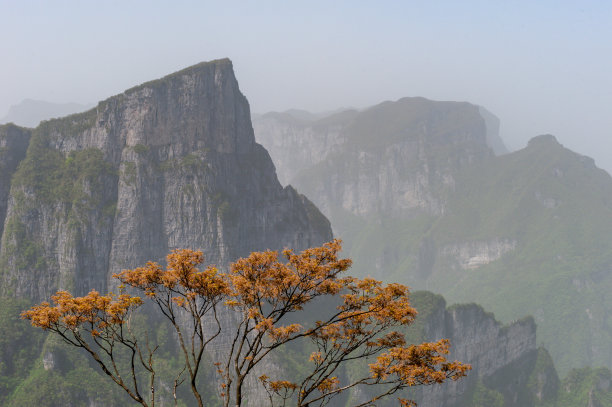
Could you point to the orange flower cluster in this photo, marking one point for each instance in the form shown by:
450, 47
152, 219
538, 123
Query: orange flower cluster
328, 384
419, 364
262, 277
277, 385
264, 291
94, 311
181, 276
367, 311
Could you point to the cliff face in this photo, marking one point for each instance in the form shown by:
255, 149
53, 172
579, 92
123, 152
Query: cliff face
13, 145
417, 193
492, 349
534, 223
298, 142
506, 366
493, 140
396, 157
170, 163
382, 175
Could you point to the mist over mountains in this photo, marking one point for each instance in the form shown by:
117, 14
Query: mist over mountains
168, 164
420, 195
29, 113
422, 192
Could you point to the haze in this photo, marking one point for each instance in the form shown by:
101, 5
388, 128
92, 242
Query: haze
541, 67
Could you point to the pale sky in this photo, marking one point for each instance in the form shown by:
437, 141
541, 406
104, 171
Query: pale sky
540, 66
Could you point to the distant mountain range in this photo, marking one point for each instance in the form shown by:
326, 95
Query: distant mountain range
422, 193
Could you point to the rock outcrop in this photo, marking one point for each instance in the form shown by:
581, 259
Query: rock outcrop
505, 360
14, 142
395, 157
420, 194
492, 349
492, 124
471, 255
170, 163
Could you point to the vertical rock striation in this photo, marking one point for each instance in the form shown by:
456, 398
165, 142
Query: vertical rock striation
13, 145
170, 163
392, 158
417, 192
506, 364
382, 175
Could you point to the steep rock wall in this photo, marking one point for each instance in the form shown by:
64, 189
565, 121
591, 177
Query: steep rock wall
471, 255
490, 347
170, 163
394, 157
13, 145
503, 357
416, 192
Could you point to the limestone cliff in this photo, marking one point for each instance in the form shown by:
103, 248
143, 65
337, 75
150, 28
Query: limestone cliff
493, 139
504, 358
170, 163
375, 170
395, 157
13, 145
417, 193
167, 164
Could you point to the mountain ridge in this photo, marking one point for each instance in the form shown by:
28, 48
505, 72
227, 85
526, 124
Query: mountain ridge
174, 163
445, 213
172, 138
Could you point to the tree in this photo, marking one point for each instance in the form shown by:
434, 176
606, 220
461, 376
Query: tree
265, 296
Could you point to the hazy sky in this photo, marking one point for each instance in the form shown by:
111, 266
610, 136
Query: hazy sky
540, 66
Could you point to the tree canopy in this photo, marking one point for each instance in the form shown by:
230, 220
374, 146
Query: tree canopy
260, 305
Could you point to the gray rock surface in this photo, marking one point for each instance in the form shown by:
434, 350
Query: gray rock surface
170, 163
489, 347
394, 157
13, 145
493, 139
415, 189
503, 357
471, 255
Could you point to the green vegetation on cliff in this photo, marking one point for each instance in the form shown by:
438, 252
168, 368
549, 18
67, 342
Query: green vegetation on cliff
76, 178
584, 387
555, 207
53, 375
527, 233
19, 347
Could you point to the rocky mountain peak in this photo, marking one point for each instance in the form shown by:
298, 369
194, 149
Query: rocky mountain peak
543, 140
166, 164
393, 157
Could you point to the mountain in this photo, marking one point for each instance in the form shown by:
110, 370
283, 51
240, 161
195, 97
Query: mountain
503, 358
174, 163
419, 196
171, 163
167, 164
297, 142
492, 124
30, 113
13, 145
508, 370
